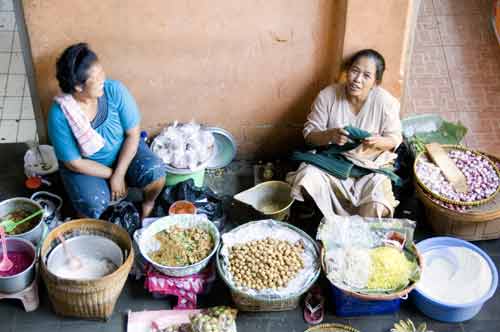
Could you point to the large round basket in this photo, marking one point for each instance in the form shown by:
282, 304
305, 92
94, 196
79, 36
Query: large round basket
445, 199
90, 299
474, 224
247, 302
378, 297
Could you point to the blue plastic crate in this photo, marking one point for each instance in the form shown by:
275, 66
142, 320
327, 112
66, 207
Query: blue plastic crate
348, 306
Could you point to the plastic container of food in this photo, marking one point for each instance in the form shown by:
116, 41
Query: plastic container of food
182, 207
440, 310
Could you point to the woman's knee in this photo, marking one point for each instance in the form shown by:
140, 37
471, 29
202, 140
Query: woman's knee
156, 185
374, 210
89, 195
92, 207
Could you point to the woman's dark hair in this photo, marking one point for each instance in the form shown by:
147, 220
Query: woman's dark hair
73, 65
371, 54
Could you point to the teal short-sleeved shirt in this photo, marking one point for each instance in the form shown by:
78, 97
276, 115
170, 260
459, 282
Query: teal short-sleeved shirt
117, 113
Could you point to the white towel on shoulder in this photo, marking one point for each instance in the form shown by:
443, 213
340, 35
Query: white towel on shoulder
89, 140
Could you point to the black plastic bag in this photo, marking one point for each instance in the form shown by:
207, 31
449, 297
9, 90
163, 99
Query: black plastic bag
205, 200
123, 214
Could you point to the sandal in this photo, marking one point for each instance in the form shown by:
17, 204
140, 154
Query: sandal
314, 306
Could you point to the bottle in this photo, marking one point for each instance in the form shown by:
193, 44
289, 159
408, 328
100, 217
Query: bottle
144, 136
268, 172
257, 172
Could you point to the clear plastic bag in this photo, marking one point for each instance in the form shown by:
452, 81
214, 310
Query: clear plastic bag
184, 146
216, 319
363, 253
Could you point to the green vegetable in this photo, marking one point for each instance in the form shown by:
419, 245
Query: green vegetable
448, 133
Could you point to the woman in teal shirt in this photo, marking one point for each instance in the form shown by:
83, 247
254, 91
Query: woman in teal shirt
121, 159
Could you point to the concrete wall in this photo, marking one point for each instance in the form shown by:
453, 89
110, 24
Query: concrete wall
381, 25
251, 67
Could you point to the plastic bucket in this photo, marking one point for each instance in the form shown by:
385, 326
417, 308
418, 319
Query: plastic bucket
446, 312
349, 306
177, 175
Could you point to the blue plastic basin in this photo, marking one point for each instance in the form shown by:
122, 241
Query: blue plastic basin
442, 311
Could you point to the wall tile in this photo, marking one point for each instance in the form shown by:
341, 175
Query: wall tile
15, 85
6, 5
427, 32
27, 130
479, 122
7, 21
457, 7
474, 76
3, 85
4, 62
8, 131
17, 42
475, 65
483, 141
17, 64
27, 92
27, 109
12, 108
428, 62
464, 30
432, 95
6, 41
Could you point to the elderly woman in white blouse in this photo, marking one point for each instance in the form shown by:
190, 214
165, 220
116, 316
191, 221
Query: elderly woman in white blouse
362, 103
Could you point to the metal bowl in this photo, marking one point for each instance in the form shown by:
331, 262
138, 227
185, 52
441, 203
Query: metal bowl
21, 203
97, 246
18, 282
146, 241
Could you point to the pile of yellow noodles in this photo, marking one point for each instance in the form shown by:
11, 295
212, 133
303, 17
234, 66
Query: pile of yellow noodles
389, 269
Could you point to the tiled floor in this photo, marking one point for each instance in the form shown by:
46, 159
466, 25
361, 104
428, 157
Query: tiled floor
17, 120
455, 69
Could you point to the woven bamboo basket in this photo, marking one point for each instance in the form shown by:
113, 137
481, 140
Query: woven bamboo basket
246, 302
331, 328
378, 297
447, 200
478, 223
90, 299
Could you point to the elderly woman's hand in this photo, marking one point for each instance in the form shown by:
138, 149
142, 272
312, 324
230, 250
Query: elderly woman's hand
379, 142
338, 136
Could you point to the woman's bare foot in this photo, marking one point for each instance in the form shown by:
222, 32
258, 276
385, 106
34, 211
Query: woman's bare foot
151, 192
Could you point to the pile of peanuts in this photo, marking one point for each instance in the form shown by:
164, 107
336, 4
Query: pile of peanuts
265, 264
